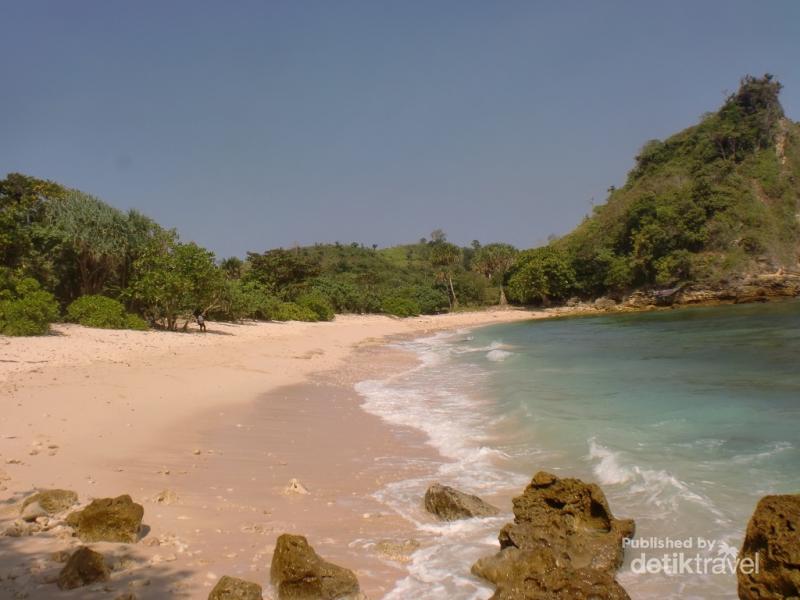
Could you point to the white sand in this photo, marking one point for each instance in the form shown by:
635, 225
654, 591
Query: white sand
111, 412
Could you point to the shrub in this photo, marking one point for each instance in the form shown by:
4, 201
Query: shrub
318, 305
289, 311
103, 312
400, 307
26, 309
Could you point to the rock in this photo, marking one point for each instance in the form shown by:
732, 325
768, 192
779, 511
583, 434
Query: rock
231, 588
85, 566
108, 520
398, 551
773, 537
52, 501
537, 575
449, 504
298, 572
295, 487
33, 511
563, 537
604, 303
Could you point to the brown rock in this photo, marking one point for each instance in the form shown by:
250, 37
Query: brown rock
449, 504
85, 566
231, 588
563, 537
108, 520
52, 501
537, 575
298, 573
773, 537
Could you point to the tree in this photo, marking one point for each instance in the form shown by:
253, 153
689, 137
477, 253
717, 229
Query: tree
279, 268
23, 200
175, 280
541, 275
93, 236
438, 235
446, 259
493, 262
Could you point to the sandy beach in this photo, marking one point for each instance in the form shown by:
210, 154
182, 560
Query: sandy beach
206, 431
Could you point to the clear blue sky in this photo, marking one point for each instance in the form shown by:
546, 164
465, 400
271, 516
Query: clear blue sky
250, 125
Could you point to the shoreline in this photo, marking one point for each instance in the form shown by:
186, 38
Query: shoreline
139, 421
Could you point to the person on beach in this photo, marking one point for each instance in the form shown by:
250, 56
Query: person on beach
201, 321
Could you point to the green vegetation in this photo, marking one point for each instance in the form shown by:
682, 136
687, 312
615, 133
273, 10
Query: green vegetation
103, 312
25, 308
715, 202
712, 203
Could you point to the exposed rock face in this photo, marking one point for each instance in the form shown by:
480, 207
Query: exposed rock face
85, 566
538, 575
298, 573
231, 588
564, 543
449, 504
755, 288
52, 502
108, 520
773, 535
604, 303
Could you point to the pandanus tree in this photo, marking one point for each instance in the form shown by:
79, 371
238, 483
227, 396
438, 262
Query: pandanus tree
93, 237
446, 258
493, 262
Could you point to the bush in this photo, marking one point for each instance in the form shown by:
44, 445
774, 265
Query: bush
400, 307
26, 309
289, 311
318, 305
103, 312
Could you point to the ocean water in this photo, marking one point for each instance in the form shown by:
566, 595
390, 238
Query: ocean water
685, 418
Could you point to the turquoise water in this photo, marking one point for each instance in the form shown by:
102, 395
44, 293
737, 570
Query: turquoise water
685, 418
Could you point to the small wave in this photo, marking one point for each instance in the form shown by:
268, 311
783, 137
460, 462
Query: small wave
770, 451
498, 355
659, 488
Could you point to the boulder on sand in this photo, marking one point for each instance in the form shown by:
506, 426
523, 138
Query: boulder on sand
232, 588
51, 502
563, 534
449, 504
773, 539
298, 573
108, 520
84, 566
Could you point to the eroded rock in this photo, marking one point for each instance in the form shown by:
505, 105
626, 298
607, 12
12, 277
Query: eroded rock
449, 504
51, 501
108, 520
772, 538
538, 575
299, 573
84, 566
232, 588
564, 543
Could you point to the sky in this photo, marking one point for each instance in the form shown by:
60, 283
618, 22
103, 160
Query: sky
249, 125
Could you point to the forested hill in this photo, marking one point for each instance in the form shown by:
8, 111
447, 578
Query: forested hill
713, 204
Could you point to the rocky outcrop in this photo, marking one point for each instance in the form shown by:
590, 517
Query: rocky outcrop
538, 575
755, 288
51, 502
84, 566
108, 520
231, 588
772, 539
449, 504
298, 573
564, 543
